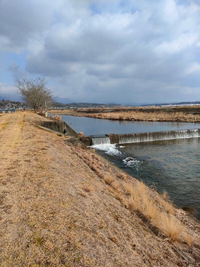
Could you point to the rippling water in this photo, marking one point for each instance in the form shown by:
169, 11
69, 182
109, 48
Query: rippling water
172, 166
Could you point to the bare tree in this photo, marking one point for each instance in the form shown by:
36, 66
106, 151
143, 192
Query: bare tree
34, 93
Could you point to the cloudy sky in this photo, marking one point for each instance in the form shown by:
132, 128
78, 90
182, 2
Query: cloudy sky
103, 50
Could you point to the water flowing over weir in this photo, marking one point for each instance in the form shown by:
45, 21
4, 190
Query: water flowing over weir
142, 137
158, 136
100, 139
153, 136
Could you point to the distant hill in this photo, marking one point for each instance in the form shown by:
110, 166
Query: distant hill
9, 97
83, 105
62, 100
162, 104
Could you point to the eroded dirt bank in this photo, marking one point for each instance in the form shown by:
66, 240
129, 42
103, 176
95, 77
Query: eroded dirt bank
62, 205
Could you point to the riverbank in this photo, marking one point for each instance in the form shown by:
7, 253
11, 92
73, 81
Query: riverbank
62, 205
160, 114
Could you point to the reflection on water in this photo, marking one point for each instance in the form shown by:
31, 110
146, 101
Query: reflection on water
90, 126
168, 165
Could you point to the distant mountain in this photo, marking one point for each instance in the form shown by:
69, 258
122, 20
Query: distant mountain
62, 100
11, 97
162, 104
17, 97
179, 103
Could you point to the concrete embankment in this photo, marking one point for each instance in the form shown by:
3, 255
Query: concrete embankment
59, 126
62, 127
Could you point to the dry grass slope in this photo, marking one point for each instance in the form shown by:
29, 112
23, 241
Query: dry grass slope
159, 213
62, 205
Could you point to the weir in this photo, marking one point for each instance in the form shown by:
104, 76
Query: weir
153, 136
100, 139
140, 137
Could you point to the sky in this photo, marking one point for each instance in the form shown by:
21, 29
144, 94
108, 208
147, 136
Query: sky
103, 50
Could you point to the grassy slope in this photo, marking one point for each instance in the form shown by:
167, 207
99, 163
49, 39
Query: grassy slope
64, 206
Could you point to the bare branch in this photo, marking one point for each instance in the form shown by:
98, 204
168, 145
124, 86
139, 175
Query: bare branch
34, 93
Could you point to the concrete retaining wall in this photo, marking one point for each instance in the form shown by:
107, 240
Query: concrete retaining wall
59, 126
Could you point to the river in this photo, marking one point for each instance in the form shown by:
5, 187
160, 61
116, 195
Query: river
170, 165
90, 126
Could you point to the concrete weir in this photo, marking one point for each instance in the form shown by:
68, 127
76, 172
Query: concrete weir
145, 137
100, 139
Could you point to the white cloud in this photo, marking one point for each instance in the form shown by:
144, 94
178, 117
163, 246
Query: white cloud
8, 90
21, 20
112, 50
194, 67
183, 41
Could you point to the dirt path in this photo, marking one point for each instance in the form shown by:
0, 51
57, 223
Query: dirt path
26, 190
56, 210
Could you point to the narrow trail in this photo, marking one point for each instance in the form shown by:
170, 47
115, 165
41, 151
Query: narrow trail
10, 136
32, 184
10, 133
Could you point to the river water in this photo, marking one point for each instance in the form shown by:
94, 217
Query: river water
90, 126
170, 165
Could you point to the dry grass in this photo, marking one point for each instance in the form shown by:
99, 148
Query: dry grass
108, 178
122, 176
129, 189
166, 203
172, 114
116, 185
151, 116
65, 206
166, 223
189, 239
88, 188
149, 210
57, 118
80, 135
171, 227
158, 211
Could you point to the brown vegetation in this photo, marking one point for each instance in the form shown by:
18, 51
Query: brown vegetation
171, 114
57, 118
157, 210
63, 205
151, 116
